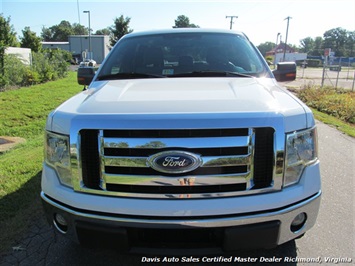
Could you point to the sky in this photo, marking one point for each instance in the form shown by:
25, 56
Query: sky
260, 20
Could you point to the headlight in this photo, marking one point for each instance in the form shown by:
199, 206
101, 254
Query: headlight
301, 150
57, 155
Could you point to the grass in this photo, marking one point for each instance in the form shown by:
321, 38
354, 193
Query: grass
336, 102
347, 128
332, 106
23, 113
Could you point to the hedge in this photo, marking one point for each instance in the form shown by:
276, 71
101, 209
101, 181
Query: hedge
46, 65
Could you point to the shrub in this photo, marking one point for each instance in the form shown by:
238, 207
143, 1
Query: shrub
42, 66
31, 77
59, 60
314, 63
47, 65
14, 71
269, 59
336, 102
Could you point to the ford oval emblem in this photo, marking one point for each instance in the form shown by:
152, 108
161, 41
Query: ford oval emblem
174, 162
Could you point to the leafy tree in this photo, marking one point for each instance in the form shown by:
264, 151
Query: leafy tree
318, 46
336, 39
266, 47
312, 46
184, 22
30, 40
105, 31
341, 41
58, 33
46, 34
7, 39
350, 44
119, 29
62, 31
80, 29
307, 45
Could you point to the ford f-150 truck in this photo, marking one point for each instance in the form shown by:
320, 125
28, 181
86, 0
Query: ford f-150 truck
183, 140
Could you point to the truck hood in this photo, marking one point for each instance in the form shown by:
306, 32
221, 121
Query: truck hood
186, 95
241, 96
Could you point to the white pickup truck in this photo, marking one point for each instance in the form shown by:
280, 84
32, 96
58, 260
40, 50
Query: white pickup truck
183, 140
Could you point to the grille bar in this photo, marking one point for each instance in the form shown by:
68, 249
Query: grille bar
202, 151
160, 143
177, 133
208, 161
238, 169
212, 180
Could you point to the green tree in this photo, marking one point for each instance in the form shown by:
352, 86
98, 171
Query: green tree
119, 29
350, 44
307, 45
58, 33
7, 39
266, 47
183, 21
318, 46
46, 34
80, 29
105, 31
62, 31
30, 40
336, 40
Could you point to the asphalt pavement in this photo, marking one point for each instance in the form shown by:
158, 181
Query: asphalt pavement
330, 242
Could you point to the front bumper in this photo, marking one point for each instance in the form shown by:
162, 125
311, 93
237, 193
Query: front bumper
262, 229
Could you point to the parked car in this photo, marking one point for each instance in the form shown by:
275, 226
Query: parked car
88, 63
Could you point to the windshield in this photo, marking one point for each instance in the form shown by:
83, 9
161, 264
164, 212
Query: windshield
182, 54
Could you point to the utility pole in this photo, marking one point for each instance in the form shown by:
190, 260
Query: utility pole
277, 39
231, 17
77, 3
88, 12
288, 21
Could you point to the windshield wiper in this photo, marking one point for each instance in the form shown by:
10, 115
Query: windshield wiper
211, 73
131, 75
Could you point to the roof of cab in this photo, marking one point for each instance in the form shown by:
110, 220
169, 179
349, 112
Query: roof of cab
182, 30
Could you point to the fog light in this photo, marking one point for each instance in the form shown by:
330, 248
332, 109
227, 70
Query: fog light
298, 222
60, 223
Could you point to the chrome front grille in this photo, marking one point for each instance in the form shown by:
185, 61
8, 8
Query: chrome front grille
233, 162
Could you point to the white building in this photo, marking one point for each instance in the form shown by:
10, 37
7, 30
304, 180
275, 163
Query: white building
290, 57
23, 53
56, 45
79, 44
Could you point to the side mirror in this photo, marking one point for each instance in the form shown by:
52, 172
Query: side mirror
85, 75
285, 71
